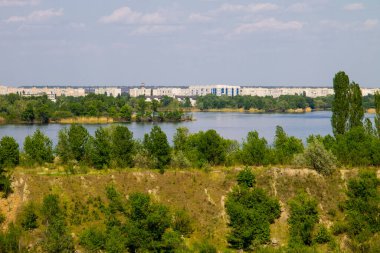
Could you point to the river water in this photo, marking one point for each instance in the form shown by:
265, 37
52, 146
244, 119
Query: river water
232, 125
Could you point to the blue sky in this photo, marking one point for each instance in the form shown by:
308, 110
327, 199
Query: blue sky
167, 42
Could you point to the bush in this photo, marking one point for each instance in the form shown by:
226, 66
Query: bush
10, 240
5, 185
2, 218
29, 217
93, 239
302, 219
322, 236
319, 159
246, 178
182, 223
250, 212
9, 152
205, 247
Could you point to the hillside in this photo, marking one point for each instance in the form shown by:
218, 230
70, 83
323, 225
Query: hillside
201, 194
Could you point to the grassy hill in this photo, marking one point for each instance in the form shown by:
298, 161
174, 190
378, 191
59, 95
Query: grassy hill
201, 194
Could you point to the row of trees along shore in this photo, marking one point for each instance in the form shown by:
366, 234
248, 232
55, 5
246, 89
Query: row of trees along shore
18, 109
140, 224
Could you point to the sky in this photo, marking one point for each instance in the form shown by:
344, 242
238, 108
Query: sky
184, 42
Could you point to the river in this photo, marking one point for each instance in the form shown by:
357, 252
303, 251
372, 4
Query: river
232, 125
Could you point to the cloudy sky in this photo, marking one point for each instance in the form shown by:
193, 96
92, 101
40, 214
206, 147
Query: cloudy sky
168, 42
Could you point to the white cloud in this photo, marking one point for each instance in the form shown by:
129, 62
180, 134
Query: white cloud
299, 7
128, 16
370, 23
8, 3
36, 16
268, 25
199, 18
354, 7
248, 8
156, 29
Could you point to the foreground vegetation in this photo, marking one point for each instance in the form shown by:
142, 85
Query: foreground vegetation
295, 198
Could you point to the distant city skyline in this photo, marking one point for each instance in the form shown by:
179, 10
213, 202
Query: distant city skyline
182, 43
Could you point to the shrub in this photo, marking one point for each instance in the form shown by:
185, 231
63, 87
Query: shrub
303, 217
250, 212
322, 236
2, 218
246, 178
29, 217
5, 184
319, 159
93, 239
9, 152
182, 223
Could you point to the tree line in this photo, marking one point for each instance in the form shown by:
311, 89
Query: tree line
15, 108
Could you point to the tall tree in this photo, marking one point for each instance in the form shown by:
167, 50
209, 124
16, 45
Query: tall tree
38, 148
122, 146
377, 118
356, 110
9, 152
340, 104
157, 145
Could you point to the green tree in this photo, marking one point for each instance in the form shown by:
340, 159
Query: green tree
28, 114
318, 158
246, 178
126, 112
180, 139
286, 147
72, 143
98, 148
377, 118
38, 148
9, 152
255, 150
122, 146
303, 217
356, 110
157, 145
340, 106
56, 236
363, 207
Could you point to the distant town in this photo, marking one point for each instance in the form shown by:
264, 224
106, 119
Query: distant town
176, 92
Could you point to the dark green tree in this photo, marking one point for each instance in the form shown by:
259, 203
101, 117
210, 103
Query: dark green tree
157, 145
255, 150
340, 106
356, 110
98, 148
286, 147
38, 148
126, 112
72, 143
302, 219
363, 206
180, 139
9, 152
28, 114
56, 236
122, 146
377, 117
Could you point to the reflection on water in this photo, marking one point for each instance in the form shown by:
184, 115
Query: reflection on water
229, 124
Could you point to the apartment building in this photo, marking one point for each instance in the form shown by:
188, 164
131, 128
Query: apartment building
108, 91
279, 91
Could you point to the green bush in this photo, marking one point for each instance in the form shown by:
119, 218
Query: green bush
319, 159
93, 239
246, 178
302, 219
322, 236
29, 218
250, 212
182, 223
